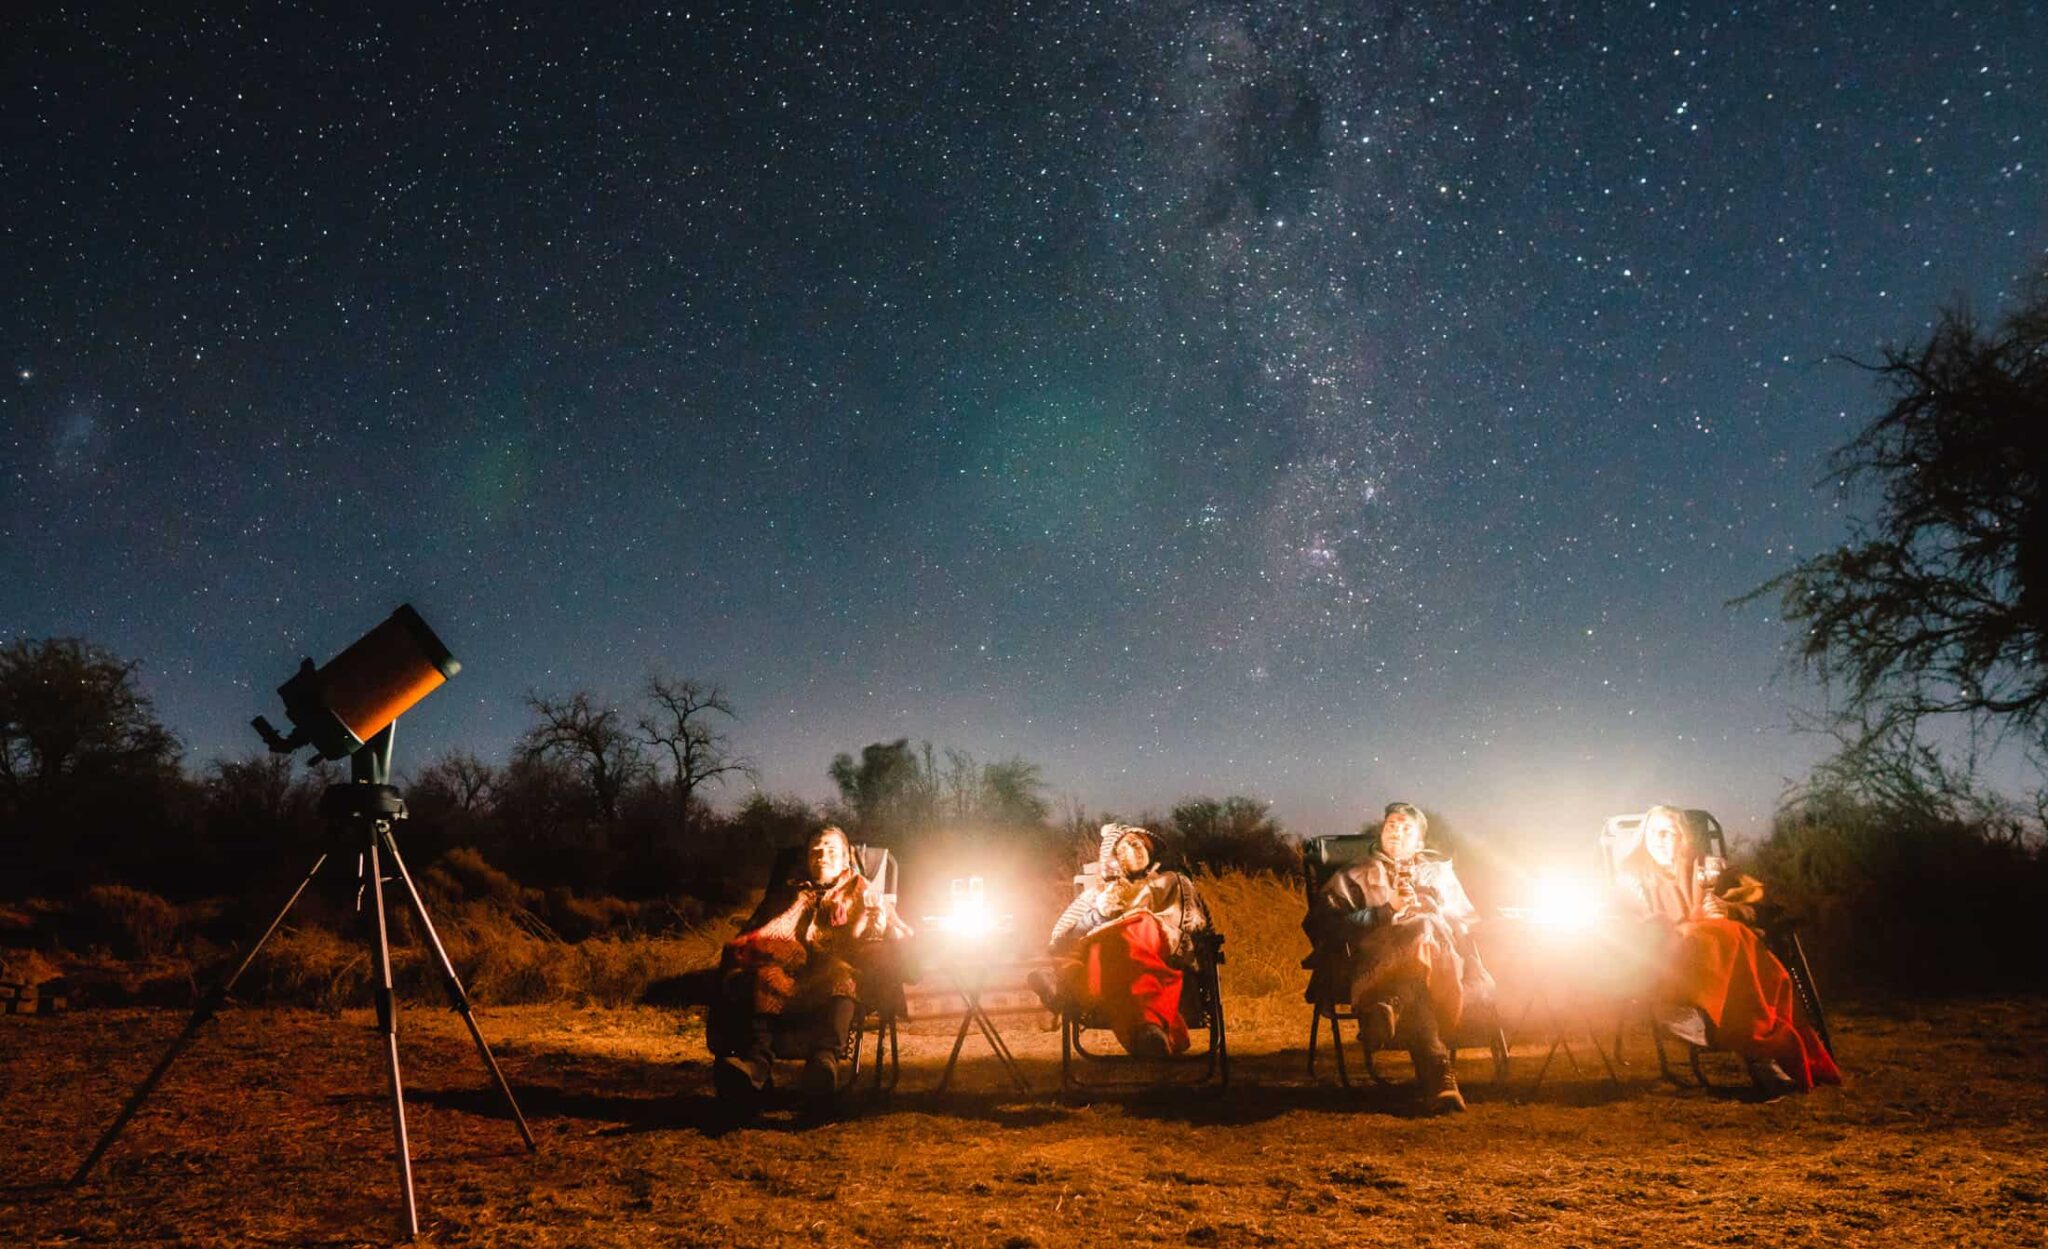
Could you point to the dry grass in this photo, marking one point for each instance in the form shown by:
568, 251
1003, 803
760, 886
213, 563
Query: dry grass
508, 944
500, 962
1260, 917
274, 1130
275, 1133
505, 954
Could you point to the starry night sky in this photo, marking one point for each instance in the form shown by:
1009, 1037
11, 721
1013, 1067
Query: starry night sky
1326, 402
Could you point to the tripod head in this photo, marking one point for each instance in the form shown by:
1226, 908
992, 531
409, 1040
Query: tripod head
349, 802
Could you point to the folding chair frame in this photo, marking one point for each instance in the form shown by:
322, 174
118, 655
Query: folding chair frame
888, 1065
1075, 1022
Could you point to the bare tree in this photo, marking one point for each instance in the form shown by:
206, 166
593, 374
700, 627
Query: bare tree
959, 786
467, 783
682, 724
590, 739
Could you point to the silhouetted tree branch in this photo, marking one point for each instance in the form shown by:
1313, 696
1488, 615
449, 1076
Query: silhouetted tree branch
1939, 604
591, 740
680, 724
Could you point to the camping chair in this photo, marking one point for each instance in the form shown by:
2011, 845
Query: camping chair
1201, 1005
1619, 838
1322, 858
881, 1002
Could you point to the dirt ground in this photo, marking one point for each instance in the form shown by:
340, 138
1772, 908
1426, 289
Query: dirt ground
274, 1130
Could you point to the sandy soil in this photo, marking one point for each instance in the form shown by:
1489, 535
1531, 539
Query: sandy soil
274, 1130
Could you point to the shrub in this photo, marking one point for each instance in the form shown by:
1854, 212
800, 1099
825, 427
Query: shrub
463, 875
1234, 833
307, 967
131, 923
576, 918
1934, 896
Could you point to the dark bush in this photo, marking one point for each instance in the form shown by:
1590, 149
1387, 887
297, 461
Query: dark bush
1235, 833
129, 923
1911, 880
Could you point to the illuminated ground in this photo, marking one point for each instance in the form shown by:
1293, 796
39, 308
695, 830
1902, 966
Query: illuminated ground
272, 1131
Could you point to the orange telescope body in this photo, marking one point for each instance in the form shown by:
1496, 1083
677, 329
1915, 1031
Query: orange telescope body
359, 692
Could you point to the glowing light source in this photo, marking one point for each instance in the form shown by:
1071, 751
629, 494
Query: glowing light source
969, 915
1565, 901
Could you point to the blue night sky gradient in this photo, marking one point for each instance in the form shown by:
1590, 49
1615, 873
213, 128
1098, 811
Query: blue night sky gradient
1326, 402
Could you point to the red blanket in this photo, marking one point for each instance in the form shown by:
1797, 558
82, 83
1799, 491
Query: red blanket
1724, 969
1123, 971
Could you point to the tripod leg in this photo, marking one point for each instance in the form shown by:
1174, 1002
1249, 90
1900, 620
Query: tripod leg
206, 1009
457, 998
387, 1024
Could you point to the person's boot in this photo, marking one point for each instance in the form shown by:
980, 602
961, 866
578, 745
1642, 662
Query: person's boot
1438, 1082
1769, 1079
1150, 1042
824, 1075
740, 1078
1047, 987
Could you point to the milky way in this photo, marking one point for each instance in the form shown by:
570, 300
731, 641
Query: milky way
1317, 401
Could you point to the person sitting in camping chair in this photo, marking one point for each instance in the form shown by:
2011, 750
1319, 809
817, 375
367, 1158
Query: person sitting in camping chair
796, 968
1121, 946
1404, 925
1717, 985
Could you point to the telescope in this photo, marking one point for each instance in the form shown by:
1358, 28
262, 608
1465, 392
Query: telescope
339, 708
349, 709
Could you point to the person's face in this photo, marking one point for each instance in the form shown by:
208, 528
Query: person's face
1660, 839
1131, 854
829, 857
1400, 836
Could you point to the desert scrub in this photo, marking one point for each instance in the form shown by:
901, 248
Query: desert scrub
305, 967
509, 949
128, 923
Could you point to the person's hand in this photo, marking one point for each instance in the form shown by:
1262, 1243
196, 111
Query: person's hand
1128, 917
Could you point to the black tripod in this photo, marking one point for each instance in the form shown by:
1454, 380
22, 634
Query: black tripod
361, 811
